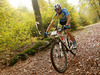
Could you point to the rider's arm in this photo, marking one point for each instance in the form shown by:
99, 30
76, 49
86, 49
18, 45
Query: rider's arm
66, 13
68, 19
49, 27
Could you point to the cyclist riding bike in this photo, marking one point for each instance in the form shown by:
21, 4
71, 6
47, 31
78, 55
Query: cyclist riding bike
64, 18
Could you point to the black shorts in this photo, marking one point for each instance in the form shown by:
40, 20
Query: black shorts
63, 23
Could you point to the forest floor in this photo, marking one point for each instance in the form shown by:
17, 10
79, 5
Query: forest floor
87, 61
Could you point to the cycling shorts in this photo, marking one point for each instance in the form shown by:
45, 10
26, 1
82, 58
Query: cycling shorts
63, 23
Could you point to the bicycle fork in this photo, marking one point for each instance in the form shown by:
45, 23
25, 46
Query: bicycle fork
59, 52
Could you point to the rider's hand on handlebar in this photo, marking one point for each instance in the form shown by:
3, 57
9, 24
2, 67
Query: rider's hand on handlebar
66, 27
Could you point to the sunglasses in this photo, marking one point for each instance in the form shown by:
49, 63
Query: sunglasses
56, 9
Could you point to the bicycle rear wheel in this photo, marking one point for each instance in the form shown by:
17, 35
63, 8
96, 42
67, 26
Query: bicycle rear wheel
58, 57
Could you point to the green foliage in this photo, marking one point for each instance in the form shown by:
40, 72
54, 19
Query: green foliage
46, 12
15, 27
89, 11
74, 18
84, 20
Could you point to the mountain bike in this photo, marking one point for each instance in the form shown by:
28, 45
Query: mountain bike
58, 54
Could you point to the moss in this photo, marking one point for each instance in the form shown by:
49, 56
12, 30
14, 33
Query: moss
33, 50
13, 61
48, 39
38, 45
22, 56
30, 51
27, 51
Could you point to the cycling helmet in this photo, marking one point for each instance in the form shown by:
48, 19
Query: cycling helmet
57, 6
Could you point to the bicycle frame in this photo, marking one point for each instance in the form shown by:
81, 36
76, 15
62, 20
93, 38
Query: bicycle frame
57, 35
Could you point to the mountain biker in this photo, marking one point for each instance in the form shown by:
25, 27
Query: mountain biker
64, 19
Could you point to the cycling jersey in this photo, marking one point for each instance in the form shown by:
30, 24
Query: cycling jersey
62, 17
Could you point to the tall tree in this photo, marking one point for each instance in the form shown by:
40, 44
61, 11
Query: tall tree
38, 16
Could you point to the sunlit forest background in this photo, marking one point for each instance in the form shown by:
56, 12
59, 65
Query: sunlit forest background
17, 25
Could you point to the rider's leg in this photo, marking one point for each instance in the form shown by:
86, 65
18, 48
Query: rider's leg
60, 33
69, 33
71, 36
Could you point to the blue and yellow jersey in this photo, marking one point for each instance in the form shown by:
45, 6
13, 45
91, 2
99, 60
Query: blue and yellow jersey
62, 17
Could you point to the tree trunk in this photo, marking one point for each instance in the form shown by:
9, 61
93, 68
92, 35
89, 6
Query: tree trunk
38, 16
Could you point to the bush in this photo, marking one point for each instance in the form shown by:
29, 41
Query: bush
84, 20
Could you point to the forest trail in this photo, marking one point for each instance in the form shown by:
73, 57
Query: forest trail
87, 61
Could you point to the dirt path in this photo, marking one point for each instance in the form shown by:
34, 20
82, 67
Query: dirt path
87, 61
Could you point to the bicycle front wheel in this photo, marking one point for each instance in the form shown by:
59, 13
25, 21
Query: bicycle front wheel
58, 57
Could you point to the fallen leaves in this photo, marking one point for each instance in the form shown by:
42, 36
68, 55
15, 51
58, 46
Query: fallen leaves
87, 61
